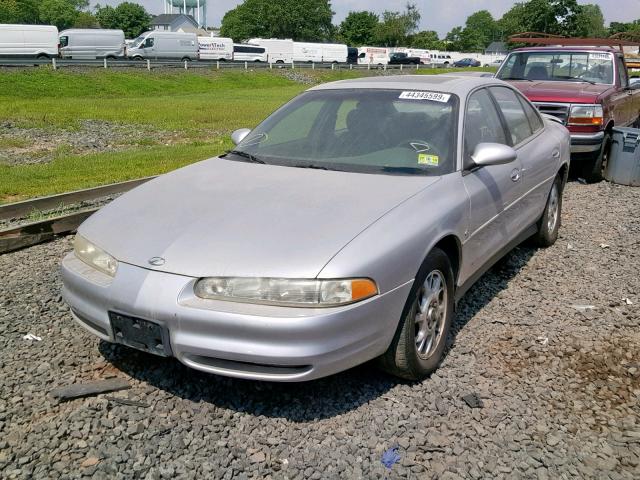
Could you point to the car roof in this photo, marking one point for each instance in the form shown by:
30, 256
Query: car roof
450, 83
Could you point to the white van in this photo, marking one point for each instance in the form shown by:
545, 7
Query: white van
215, 48
278, 51
92, 43
319, 52
373, 55
441, 59
423, 55
40, 41
169, 45
249, 53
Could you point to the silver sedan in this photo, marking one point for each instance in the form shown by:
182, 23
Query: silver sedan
341, 229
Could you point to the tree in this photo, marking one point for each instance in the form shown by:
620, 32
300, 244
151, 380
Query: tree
308, 20
396, 27
86, 20
453, 40
358, 28
559, 17
427, 39
479, 32
590, 21
19, 11
61, 13
130, 17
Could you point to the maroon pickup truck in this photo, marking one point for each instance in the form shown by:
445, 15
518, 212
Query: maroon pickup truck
586, 88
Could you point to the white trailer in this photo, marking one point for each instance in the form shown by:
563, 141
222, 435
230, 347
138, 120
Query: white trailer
373, 55
319, 52
215, 48
39, 41
278, 51
90, 43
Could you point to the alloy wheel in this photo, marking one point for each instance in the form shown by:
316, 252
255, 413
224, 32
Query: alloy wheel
430, 315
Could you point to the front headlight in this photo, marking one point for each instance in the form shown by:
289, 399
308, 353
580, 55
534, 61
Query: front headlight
94, 256
287, 292
586, 115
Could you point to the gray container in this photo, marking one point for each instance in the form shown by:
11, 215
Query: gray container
624, 160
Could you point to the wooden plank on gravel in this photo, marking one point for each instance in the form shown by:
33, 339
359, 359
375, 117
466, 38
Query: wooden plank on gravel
24, 208
79, 390
37, 232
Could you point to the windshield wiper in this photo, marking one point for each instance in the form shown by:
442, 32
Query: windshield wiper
312, 166
248, 156
516, 78
579, 79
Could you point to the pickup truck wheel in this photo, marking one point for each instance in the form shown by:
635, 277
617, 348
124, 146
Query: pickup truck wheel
549, 224
593, 169
420, 340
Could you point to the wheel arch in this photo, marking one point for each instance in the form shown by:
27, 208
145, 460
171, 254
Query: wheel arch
450, 244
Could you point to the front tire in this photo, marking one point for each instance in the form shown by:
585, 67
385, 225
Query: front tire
420, 340
549, 224
593, 169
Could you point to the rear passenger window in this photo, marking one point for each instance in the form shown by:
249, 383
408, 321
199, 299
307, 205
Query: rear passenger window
517, 121
532, 114
481, 125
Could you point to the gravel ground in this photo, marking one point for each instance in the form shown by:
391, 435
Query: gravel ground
22, 145
559, 380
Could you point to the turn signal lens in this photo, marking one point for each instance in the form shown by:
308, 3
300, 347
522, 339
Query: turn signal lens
286, 292
586, 115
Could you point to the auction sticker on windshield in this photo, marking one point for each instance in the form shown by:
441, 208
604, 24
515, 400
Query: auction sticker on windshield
433, 96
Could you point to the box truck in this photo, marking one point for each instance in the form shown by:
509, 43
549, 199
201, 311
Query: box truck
39, 41
278, 51
373, 55
164, 45
215, 48
92, 43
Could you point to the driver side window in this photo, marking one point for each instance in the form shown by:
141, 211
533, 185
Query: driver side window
148, 43
481, 125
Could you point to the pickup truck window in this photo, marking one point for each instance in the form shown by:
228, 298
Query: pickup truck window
592, 67
622, 73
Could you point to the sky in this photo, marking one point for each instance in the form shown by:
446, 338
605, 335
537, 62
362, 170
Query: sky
438, 15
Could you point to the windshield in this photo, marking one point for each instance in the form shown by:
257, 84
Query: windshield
559, 66
378, 131
136, 43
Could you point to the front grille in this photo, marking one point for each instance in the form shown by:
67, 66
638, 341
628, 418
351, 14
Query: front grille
558, 110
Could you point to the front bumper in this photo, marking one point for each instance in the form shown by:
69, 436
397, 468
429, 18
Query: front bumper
586, 142
258, 342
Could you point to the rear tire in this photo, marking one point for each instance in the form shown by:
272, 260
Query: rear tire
185, 59
421, 337
549, 224
43, 56
593, 169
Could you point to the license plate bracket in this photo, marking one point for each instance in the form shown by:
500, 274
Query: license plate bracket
140, 334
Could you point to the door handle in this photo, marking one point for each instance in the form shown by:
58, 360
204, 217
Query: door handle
515, 174
556, 154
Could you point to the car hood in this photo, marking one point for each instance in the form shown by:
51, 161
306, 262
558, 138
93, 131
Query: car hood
561, 92
227, 218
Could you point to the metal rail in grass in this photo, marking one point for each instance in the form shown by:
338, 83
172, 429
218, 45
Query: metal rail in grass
28, 207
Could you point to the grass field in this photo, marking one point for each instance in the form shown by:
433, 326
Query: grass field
200, 108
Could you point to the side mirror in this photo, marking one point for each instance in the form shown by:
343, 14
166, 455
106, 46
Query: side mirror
487, 154
634, 83
239, 135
